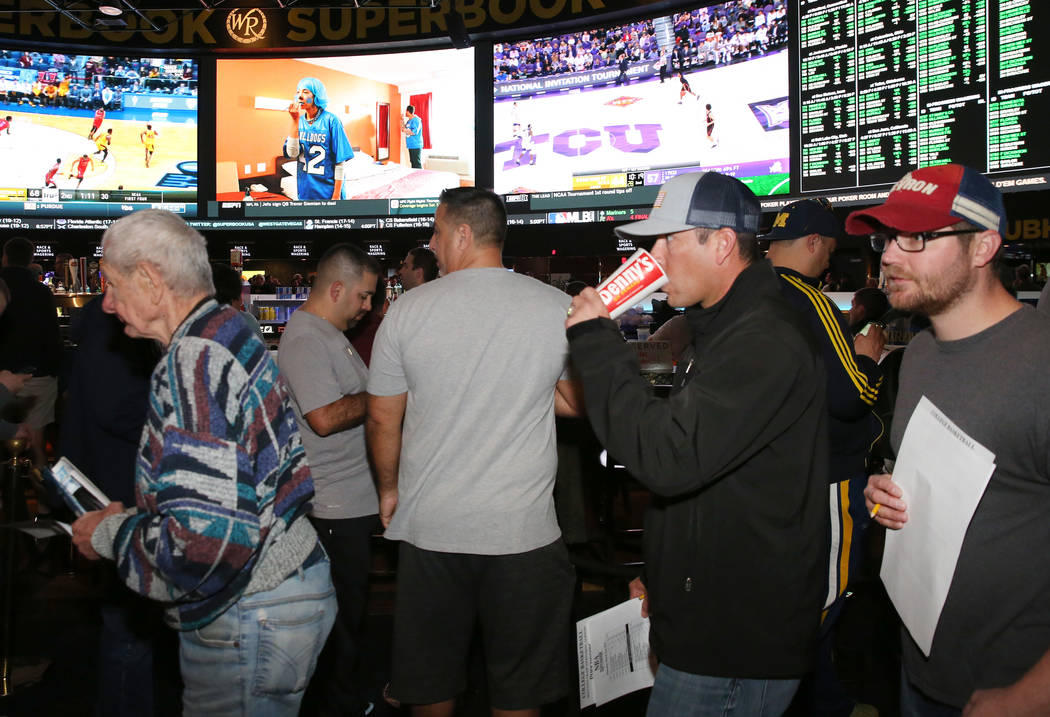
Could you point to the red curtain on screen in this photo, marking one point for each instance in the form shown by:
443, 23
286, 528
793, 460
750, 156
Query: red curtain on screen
382, 127
422, 105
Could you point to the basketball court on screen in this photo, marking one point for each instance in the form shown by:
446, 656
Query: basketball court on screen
37, 139
679, 137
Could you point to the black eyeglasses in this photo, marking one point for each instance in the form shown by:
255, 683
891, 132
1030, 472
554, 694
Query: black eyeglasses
913, 243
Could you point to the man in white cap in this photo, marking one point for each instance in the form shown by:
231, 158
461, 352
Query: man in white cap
736, 457
983, 365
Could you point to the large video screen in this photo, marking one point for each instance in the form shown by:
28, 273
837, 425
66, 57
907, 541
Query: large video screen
598, 119
363, 159
886, 87
85, 139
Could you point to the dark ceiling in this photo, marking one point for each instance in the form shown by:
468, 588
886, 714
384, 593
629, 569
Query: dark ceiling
89, 13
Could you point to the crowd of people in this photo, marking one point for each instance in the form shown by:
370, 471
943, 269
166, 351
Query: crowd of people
716, 35
257, 482
89, 82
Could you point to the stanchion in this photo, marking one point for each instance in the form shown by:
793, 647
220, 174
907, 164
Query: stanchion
28, 670
15, 447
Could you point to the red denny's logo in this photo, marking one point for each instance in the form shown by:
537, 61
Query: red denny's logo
636, 279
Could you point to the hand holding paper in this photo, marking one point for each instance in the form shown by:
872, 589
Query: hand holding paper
884, 502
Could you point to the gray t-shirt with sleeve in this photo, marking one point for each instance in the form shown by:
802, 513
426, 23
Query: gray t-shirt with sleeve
321, 367
994, 385
479, 353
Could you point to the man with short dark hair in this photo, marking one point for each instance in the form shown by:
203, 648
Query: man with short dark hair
868, 305
30, 341
327, 379
419, 267
461, 433
736, 458
983, 365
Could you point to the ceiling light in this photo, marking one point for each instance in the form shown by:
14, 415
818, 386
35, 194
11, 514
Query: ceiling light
111, 10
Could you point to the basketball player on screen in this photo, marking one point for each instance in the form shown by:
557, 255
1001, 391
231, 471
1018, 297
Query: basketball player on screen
685, 88
316, 139
102, 145
80, 167
100, 114
149, 140
528, 144
49, 178
709, 118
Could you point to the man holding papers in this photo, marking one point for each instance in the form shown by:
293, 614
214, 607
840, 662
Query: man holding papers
218, 532
981, 369
736, 457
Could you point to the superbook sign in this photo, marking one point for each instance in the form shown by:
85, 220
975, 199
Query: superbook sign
256, 28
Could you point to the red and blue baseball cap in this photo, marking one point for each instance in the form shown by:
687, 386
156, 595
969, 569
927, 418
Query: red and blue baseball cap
933, 198
805, 217
699, 199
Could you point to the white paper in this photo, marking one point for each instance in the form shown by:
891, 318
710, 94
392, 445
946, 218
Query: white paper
943, 474
612, 649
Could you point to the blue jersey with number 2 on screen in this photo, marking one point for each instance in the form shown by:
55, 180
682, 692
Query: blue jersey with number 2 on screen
322, 145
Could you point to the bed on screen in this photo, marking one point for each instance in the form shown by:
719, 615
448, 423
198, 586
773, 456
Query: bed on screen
363, 178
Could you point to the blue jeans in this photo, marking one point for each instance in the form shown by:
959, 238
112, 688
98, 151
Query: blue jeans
257, 657
683, 694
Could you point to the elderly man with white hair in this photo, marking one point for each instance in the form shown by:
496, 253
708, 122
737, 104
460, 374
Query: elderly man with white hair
219, 530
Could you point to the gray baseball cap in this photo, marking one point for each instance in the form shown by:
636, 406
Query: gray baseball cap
699, 199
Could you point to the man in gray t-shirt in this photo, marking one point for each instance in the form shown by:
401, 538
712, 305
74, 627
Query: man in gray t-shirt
982, 365
466, 374
327, 380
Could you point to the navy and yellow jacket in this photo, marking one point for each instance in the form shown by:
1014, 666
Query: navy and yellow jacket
853, 381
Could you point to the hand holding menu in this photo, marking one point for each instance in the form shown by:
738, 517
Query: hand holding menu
79, 493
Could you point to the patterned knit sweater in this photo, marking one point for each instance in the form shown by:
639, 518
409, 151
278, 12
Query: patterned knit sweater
222, 482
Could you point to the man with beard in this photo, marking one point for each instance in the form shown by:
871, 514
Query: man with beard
982, 364
327, 380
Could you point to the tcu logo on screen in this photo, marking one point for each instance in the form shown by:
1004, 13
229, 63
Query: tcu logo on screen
246, 25
579, 142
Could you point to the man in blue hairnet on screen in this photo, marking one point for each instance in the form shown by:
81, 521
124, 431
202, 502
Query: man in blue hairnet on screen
318, 141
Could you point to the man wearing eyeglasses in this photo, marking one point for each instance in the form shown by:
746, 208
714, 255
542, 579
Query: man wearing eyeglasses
982, 364
803, 237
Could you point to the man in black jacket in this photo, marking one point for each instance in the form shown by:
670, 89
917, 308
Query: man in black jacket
30, 341
736, 457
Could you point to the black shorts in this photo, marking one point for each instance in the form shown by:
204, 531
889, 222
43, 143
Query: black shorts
521, 605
